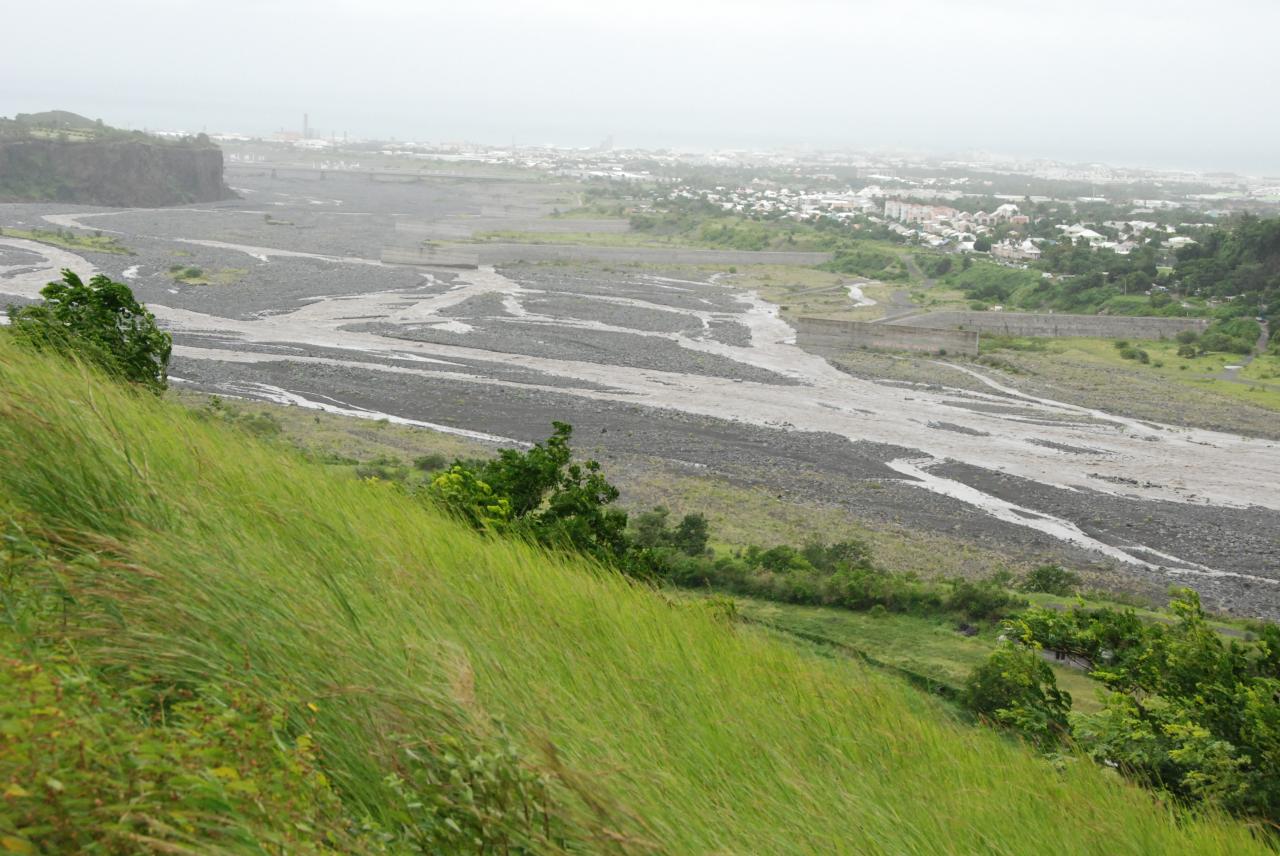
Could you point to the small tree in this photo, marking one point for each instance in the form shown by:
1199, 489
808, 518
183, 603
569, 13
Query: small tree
101, 322
1051, 579
691, 534
540, 493
1015, 688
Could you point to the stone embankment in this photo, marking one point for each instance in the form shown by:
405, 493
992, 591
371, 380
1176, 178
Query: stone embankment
1055, 325
828, 337
497, 254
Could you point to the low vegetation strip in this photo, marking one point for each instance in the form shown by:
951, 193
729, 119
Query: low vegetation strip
456, 692
71, 240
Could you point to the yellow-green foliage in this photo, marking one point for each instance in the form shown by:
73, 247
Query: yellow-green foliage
86, 764
96, 243
476, 694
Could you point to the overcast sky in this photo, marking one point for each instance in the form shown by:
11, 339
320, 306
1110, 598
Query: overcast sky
1169, 83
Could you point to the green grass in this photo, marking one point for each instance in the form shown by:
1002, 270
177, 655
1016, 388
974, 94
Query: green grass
802, 291
398, 642
1199, 372
1088, 371
740, 515
925, 647
1265, 368
72, 240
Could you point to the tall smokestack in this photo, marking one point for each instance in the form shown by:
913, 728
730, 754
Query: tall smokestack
306, 126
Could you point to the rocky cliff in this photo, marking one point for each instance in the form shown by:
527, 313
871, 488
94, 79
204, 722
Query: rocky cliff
141, 173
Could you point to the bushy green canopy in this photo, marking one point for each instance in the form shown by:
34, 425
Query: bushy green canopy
100, 322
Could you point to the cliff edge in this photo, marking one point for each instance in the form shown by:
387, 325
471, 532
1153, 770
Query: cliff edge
97, 165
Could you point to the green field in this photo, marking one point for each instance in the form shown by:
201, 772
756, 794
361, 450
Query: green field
919, 647
801, 291
1201, 374
409, 686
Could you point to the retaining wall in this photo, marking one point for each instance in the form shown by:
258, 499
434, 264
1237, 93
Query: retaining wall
831, 338
1056, 325
500, 253
496, 254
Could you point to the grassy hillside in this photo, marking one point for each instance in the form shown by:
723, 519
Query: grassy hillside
271, 658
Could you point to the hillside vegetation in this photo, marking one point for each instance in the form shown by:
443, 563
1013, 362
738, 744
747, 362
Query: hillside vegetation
210, 643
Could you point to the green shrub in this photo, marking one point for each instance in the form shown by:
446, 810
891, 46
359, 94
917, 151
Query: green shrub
1016, 689
1130, 353
430, 463
868, 262
1051, 579
101, 323
1187, 712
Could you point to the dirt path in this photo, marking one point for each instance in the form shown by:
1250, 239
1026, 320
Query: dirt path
900, 303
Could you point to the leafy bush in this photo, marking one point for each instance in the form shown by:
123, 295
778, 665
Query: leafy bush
430, 463
1016, 689
101, 323
1186, 712
1051, 579
868, 262
539, 493
1130, 353
979, 601
464, 495
1231, 336
991, 283
649, 530
934, 266
542, 495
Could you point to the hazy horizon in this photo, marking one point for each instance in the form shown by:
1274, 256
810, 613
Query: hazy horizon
1164, 85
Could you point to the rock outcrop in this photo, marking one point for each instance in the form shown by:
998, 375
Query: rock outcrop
131, 173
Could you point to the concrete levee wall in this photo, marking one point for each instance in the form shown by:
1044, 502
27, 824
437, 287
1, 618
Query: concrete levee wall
496, 254
1055, 325
465, 227
830, 338
500, 253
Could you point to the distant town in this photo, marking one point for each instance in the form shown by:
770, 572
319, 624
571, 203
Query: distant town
1011, 209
